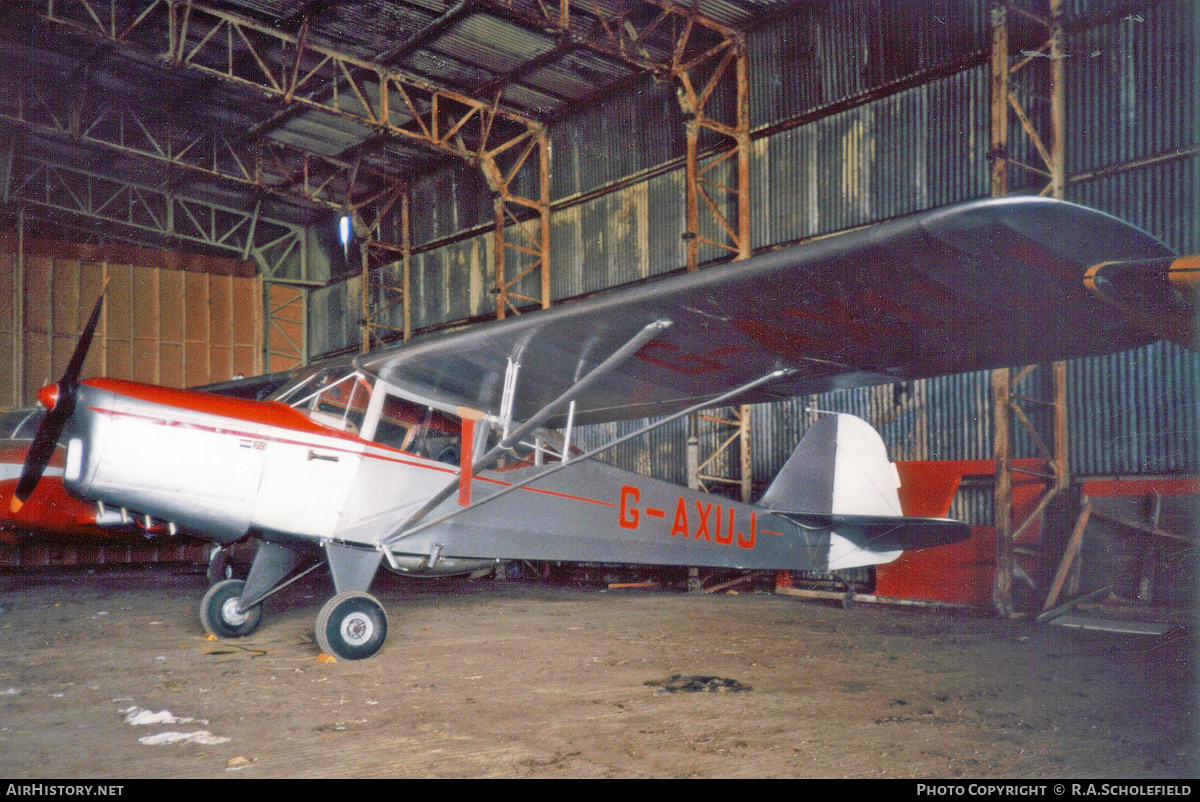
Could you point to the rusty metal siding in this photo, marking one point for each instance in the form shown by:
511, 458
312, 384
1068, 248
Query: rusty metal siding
661, 454
1136, 412
619, 237
449, 201
1132, 82
1131, 95
616, 139
601, 243
333, 314
918, 149
452, 282
825, 53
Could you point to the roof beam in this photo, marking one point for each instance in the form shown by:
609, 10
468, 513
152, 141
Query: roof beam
121, 129
386, 59
615, 36
150, 211
242, 51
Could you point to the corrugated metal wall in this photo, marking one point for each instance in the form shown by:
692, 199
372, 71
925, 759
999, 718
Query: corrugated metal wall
858, 155
1131, 95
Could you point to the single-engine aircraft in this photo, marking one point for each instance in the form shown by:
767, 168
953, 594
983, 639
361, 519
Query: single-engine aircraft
395, 457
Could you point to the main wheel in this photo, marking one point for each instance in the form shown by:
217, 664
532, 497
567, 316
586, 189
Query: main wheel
219, 612
219, 566
351, 626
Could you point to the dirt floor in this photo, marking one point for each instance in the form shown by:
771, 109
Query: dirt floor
527, 680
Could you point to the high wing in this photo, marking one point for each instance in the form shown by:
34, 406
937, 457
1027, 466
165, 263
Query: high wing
980, 285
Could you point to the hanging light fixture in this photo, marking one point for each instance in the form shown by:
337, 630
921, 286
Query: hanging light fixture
345, 230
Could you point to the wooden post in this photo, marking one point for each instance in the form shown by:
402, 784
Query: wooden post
743, 155
544, 212
1002, 598
1068, 557
998, 156
499, 247
692, 200
19, 315
406, 256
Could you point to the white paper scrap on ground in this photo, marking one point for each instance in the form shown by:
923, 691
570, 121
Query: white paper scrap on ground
203, 737
140, 716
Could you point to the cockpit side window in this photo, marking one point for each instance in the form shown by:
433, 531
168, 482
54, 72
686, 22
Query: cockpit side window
332, 397
418, 429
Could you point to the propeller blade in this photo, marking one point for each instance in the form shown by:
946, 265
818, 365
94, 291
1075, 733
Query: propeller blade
71, 375
46, 439
40, 452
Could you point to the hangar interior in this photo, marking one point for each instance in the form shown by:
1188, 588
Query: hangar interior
496, 157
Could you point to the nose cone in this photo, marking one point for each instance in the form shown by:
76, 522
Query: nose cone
48, 396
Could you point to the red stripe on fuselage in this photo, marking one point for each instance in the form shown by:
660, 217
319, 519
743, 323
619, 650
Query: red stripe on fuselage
268, 413
573, 498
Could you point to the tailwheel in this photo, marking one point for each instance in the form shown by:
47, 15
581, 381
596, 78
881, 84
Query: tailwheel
219, 613
351, 626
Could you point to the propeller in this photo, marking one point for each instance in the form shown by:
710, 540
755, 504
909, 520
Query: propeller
59, 401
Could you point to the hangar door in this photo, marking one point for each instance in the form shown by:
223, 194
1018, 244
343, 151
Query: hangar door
175, 327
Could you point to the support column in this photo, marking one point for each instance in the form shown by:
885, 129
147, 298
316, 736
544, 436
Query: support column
521, 246
705, 192
1007, 404
386, 270
18, 344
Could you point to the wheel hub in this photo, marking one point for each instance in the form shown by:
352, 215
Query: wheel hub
231, 614
357, 629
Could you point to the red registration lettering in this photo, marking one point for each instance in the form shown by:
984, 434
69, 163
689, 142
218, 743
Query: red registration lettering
629, 514
680, 526
748, 542
705, 512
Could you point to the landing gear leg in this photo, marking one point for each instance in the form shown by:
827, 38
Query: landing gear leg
232, 608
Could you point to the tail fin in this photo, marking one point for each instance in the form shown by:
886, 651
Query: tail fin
840, 479
840, 467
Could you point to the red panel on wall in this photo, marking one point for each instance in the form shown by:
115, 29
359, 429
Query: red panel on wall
961, 573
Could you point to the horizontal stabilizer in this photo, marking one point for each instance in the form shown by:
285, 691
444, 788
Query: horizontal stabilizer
880, 533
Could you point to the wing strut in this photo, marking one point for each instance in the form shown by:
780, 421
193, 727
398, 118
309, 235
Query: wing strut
606, 367
406, 529
599, 372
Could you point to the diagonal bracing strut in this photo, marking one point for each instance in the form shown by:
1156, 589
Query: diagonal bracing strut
635, 344
407, 529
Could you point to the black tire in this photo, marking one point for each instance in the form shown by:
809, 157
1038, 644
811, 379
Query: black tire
351, 626
219, 614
